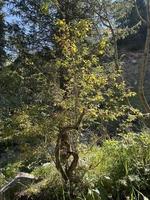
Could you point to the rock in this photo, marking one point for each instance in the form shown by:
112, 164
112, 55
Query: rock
134, 61
46, 164
21, 181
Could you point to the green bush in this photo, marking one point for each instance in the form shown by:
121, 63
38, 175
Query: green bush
119, 169
123, 169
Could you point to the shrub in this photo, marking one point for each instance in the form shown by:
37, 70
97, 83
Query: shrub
119, 169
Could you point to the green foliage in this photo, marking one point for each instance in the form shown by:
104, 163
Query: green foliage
131, 21
2, 179
8, 172
123, 166
120, 168
98, 86
11, 169
60, 69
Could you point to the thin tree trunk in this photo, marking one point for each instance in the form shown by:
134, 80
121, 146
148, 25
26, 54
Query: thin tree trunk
142, 68
142, 74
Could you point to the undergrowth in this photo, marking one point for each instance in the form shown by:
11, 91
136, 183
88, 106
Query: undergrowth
117, 170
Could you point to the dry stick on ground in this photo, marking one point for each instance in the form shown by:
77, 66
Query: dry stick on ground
142, 68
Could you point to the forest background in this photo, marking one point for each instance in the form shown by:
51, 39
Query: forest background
71, 118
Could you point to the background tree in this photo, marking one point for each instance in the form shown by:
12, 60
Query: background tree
136, 40
143, 67
2, 36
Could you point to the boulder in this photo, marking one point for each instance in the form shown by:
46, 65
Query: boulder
22, 180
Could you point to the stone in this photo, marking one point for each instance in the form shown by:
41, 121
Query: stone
21, 181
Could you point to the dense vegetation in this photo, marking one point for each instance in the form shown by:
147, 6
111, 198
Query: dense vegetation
68, 118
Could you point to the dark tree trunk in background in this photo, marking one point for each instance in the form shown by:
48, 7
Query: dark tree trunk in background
2, 36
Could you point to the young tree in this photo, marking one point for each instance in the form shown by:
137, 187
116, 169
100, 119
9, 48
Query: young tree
92, 92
